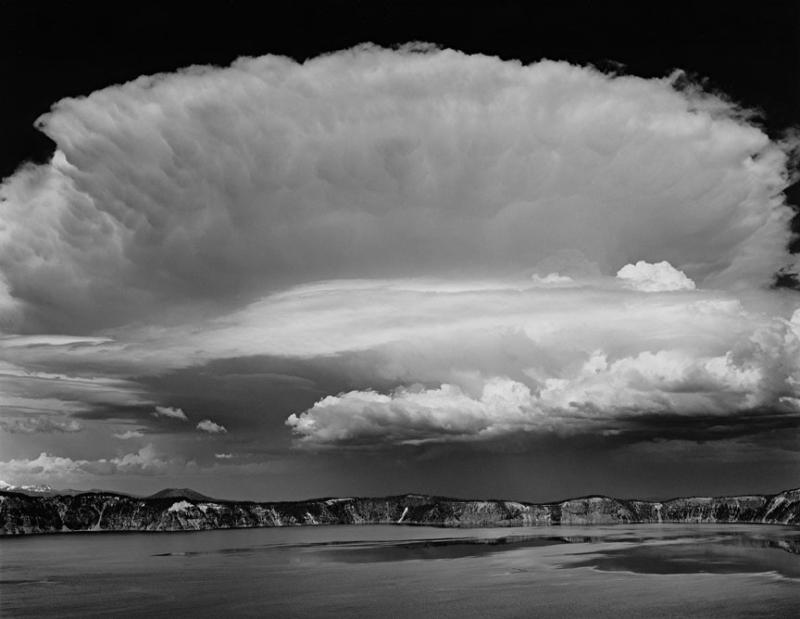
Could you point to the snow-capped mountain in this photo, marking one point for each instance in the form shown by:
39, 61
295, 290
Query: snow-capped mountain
41, 489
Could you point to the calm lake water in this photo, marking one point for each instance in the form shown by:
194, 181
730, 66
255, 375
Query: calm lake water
399, 571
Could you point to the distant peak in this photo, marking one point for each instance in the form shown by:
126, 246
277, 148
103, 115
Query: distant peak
180, 493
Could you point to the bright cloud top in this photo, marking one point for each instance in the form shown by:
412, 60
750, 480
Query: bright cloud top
659, 277
209, 427
170, 412
128, 434
187, 191
563, 360
414, 416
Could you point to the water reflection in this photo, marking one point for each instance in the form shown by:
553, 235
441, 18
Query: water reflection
729, 557
618, 572
652, 552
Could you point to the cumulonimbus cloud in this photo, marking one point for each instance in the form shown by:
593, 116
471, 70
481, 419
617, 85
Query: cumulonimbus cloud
188, 190
475, 211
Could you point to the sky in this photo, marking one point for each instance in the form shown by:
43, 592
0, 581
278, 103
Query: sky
509, 253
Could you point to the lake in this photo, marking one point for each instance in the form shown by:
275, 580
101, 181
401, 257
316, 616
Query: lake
402, 571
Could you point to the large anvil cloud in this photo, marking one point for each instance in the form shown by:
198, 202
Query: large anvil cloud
417, 245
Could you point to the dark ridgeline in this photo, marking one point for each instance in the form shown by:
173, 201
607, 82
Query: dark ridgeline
186, 510
180, 493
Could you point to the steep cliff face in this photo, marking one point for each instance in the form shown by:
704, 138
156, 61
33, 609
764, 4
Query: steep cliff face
102, 511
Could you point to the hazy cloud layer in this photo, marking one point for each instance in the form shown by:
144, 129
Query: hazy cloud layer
39, 424
191, 191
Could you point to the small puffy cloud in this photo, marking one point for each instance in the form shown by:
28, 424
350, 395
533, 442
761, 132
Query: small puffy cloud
552, 278
170, 412
659, 277
206, 425
564, 262
146, 461
39, 424
128, 434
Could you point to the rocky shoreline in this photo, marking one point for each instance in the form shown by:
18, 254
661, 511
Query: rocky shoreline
24, 514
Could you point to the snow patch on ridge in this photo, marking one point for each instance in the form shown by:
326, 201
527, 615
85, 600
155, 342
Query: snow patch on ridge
180, 506
774, 504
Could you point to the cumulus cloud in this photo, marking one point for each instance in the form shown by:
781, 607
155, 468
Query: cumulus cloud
552, 278
412, 416
576, 359
598, 396
210, 427
214, 184
170, 412
146, 461
660, 277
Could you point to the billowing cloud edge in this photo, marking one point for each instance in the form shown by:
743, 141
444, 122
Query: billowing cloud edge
476, 162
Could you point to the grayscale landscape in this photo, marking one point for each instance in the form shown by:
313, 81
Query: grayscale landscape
400, 308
